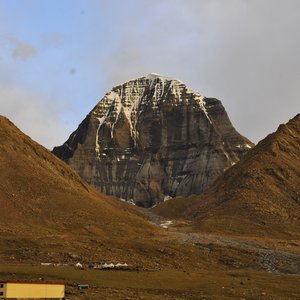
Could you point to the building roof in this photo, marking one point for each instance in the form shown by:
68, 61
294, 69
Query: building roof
33, 282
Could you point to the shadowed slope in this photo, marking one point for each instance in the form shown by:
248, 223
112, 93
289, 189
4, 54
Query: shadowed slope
259, 195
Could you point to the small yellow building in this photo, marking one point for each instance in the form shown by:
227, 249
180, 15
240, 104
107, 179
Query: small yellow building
32, 290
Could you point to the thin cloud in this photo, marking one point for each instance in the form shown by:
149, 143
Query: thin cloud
35, 114
23, 51
53, 39
242, 52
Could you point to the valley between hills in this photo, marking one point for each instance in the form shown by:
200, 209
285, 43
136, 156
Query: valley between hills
215, 217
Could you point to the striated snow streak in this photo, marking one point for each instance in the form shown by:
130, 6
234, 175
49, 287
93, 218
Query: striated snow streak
243, 146
202, 105
154, 76
102, 112
117, 109
201, 101
101, 121
73, 137
132, 99
227, 158
128, 112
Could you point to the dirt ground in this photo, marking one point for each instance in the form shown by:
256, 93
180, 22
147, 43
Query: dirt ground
226, 267
163, 284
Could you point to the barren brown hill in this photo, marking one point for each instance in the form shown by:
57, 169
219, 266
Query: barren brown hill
49, 214
260, 195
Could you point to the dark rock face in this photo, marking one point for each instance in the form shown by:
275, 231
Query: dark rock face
153, 138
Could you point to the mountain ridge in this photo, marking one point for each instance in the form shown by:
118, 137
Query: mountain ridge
259, 195
152, 138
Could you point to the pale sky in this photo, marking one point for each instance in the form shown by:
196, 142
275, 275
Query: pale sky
59, 57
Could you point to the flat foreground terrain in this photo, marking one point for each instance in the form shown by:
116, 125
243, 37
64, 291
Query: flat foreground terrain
225, 267
162, 284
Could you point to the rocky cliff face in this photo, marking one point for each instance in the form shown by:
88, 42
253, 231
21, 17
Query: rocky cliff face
153, 138
260, 195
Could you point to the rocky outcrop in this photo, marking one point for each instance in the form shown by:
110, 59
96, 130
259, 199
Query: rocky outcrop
153, 138
260, 195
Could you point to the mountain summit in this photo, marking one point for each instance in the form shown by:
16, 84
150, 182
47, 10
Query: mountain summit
152, 138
